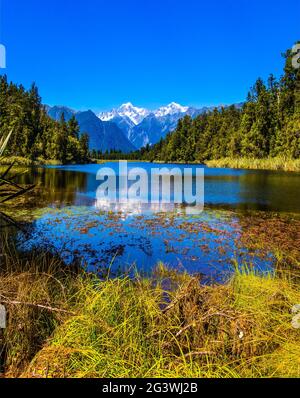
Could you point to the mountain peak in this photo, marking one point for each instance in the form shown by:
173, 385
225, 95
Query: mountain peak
171, 109
127, 105
128, 110
103, 136
136, 114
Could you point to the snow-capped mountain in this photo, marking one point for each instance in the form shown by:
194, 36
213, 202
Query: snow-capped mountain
103, 135
171, 109
137, 115
128, 127
133, 113
144, 126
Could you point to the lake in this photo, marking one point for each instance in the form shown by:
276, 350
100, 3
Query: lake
248, 217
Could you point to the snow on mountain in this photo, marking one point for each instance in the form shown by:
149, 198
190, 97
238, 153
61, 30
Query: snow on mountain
171, 109
137, 115
143, 126
133, 113
108, 116
129, 127
103, 135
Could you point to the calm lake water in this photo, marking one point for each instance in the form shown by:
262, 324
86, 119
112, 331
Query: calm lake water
68, 219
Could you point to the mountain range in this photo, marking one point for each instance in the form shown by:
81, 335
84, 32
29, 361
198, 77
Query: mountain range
128, 127
143, 126
103, 136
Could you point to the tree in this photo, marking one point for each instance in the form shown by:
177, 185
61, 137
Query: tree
84, 146
267, 125
35, 134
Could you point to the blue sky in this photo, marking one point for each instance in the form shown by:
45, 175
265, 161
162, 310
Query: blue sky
98, 54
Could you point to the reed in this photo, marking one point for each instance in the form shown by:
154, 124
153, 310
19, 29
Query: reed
166, 325
277, 163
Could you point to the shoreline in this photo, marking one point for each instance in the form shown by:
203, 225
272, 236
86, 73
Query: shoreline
96, 326
78, 324
21, 161
272, 164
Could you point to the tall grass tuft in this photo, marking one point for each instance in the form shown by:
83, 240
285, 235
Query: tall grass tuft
278, 163
170, 326
35, 288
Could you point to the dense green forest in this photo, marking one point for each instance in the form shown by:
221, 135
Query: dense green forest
35, 135
268, 125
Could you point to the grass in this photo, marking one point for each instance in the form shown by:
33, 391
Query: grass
257, 164
25, 281
64, 324
22, 161
236, 163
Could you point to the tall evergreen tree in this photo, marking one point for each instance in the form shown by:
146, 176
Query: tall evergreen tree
35, 134
267, 125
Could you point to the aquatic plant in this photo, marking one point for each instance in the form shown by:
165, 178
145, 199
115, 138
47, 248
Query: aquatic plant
277, 163
166, 325
171, 326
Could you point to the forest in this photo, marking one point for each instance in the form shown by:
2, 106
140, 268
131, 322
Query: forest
36, 136
267, 126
